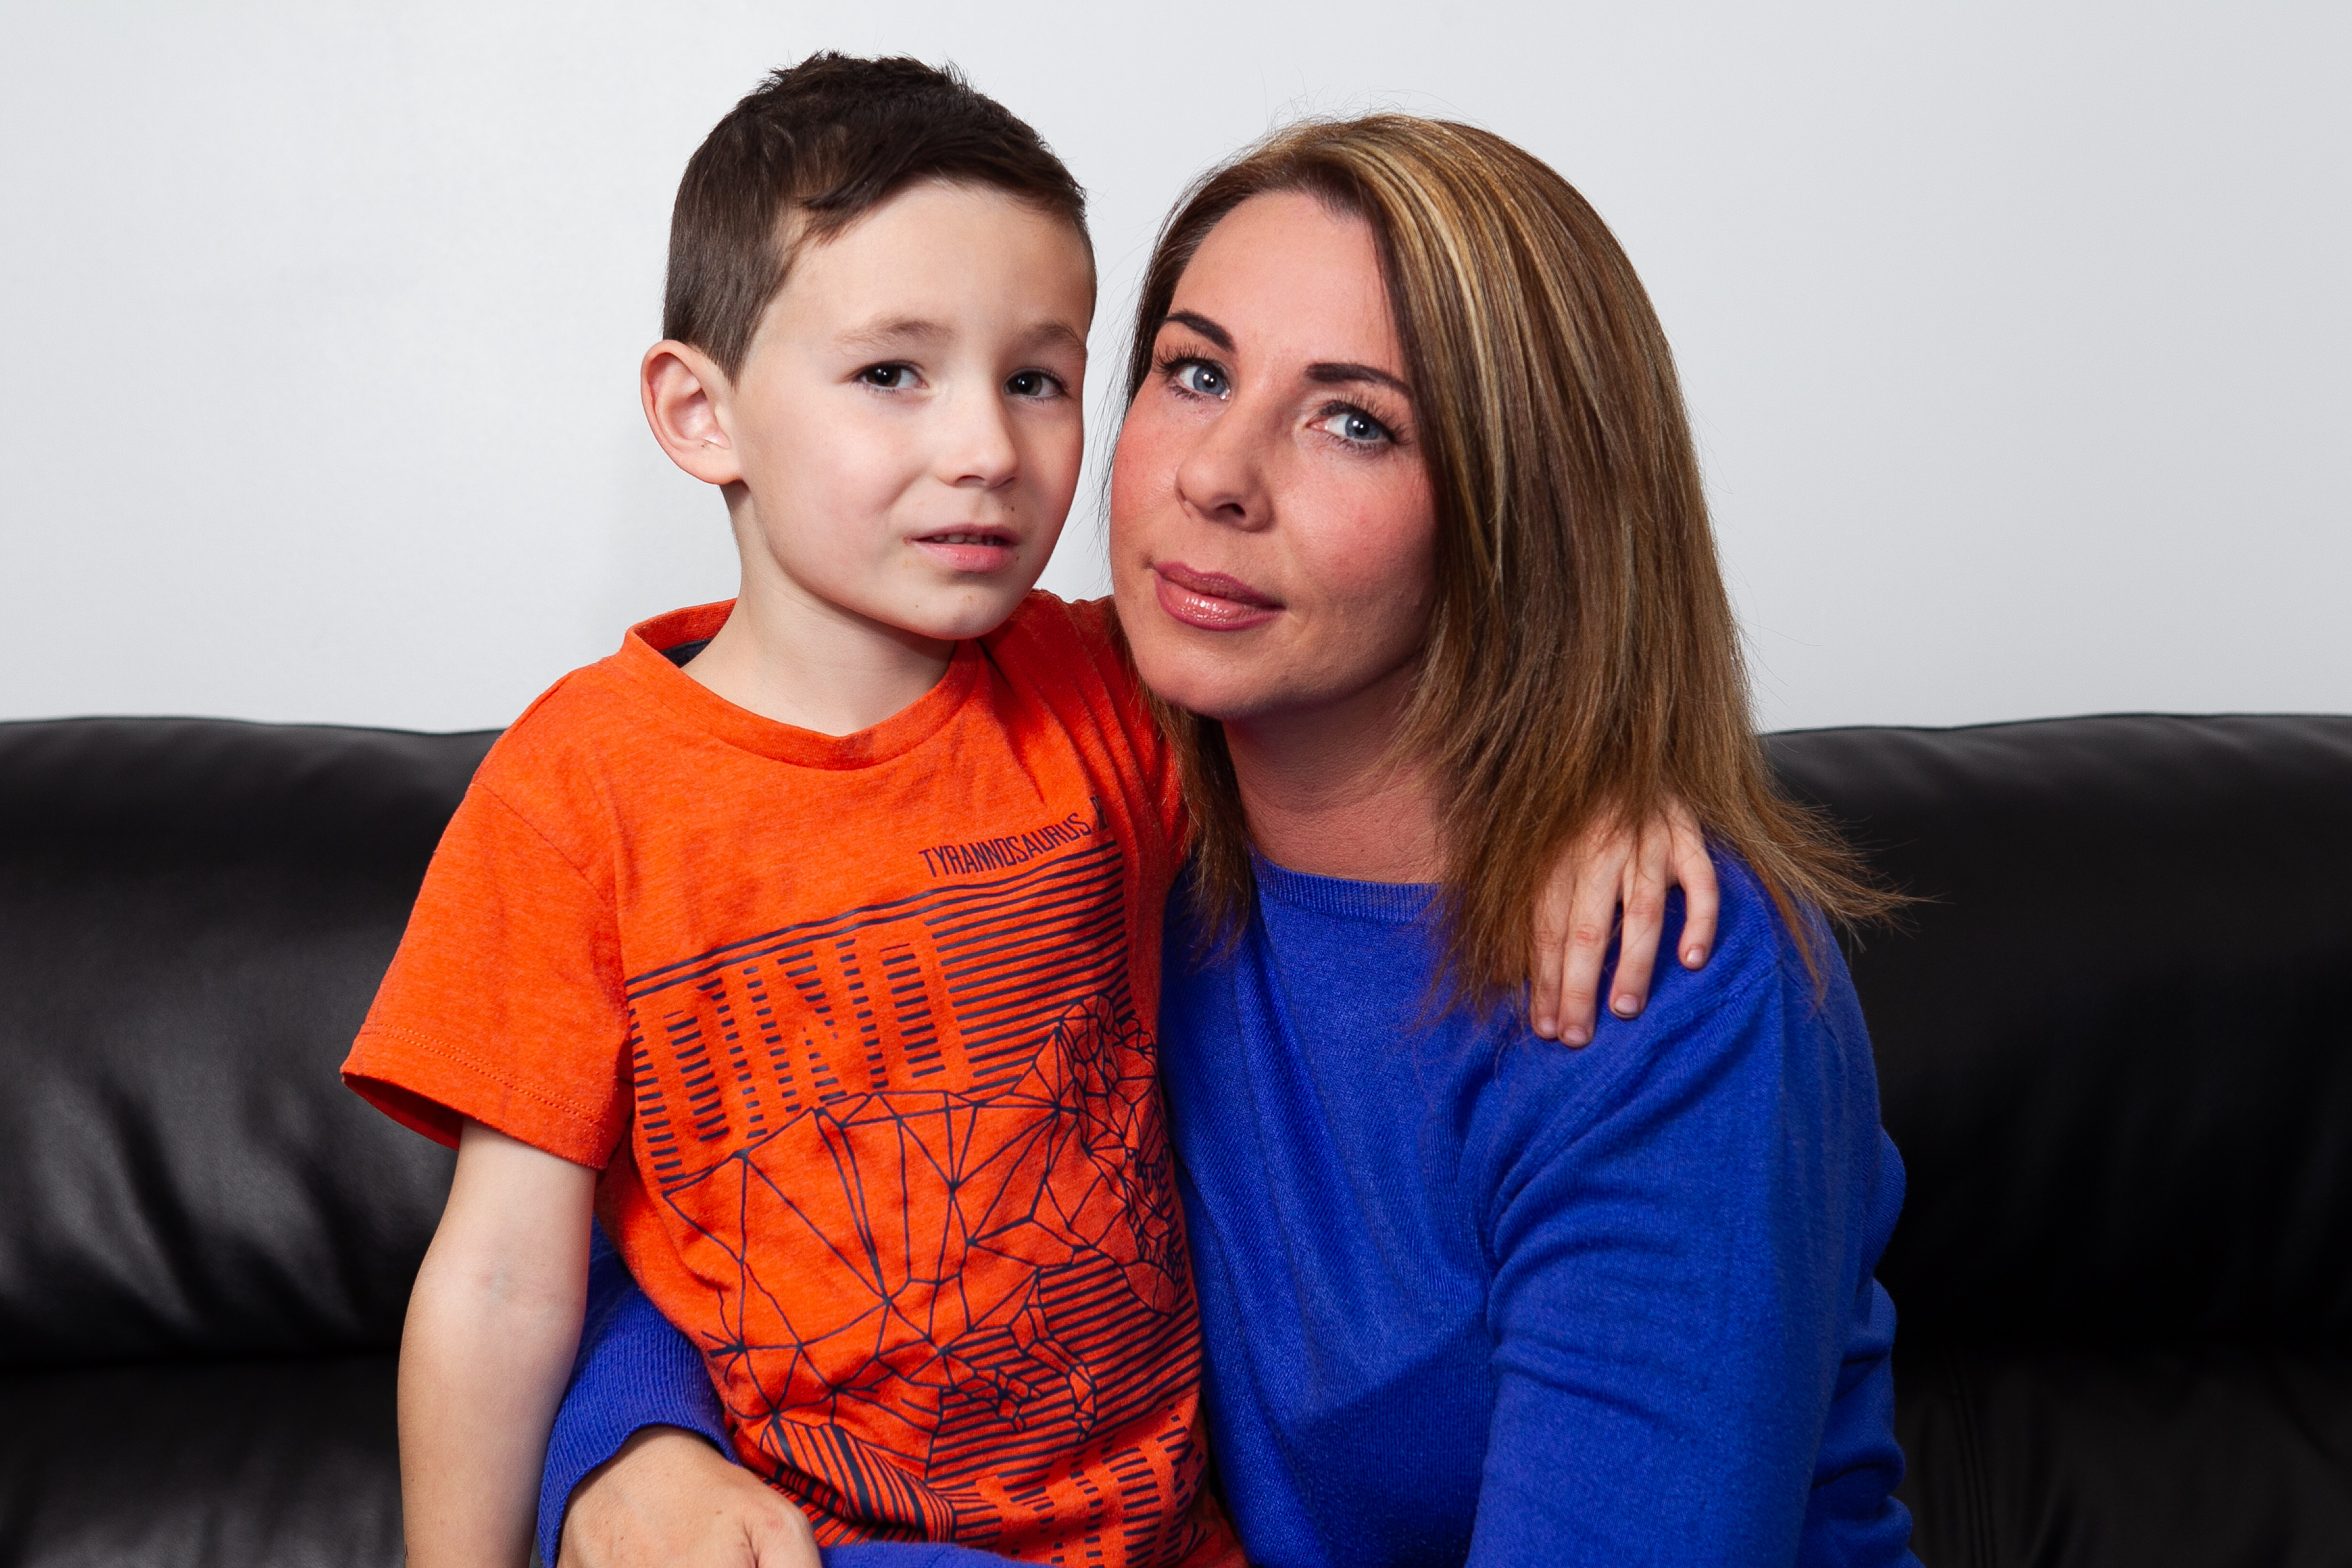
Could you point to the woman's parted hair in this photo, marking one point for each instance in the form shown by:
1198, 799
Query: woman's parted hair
1582, 663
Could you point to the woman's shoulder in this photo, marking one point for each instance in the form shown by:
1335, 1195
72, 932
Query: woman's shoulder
1756, 1007
1756, 950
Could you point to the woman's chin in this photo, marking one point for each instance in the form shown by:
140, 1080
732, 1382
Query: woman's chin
1212, 692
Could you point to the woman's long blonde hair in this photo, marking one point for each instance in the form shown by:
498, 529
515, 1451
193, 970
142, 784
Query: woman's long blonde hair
1581, 664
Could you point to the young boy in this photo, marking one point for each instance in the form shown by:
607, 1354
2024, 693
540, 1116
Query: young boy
839, 904
846, 923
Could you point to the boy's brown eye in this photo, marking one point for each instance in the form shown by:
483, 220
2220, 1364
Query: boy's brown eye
889, 377
1030, 383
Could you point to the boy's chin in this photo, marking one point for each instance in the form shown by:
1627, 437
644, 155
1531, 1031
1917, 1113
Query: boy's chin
962, 613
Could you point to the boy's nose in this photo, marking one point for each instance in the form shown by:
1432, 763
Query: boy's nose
979, 448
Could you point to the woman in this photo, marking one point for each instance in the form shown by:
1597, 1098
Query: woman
1408, 539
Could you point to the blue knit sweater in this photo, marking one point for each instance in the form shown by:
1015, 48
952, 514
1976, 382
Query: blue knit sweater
1472, 1296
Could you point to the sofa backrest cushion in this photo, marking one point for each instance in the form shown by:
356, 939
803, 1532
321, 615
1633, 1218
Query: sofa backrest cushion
193, 916
2114, 1042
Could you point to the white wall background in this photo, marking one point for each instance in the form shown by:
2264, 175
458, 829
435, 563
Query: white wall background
2017, 335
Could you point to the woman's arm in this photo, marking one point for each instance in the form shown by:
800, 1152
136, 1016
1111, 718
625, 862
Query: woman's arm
636, 1375
667, 1497
1691, 1352
639, 1473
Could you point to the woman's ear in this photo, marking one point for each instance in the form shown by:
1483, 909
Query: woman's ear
684, 395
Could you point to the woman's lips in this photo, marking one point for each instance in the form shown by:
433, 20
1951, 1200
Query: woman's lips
1211, 600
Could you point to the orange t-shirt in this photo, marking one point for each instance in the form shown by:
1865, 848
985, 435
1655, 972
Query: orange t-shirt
875, 1015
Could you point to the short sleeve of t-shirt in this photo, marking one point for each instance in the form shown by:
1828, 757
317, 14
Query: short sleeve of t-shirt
505, 1003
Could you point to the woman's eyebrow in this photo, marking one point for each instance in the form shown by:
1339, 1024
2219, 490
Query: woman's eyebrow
1203, 325
1339, 373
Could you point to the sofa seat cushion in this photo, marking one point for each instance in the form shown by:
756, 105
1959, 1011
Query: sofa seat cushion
2112, 1456
274, 1464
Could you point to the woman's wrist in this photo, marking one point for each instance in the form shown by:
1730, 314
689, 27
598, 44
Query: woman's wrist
667, 1497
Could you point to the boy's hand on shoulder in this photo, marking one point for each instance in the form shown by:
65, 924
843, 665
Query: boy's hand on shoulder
669, 1500
1610, 867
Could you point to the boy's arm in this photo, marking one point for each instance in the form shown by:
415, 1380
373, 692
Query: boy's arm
1609, 868
492, 1325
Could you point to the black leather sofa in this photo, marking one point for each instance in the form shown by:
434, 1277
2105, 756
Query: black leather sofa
2115, 1046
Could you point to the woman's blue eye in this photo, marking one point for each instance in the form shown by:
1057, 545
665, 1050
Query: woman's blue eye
1355, 425
1205, 379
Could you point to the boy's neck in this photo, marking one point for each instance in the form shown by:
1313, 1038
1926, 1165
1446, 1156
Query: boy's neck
789, 656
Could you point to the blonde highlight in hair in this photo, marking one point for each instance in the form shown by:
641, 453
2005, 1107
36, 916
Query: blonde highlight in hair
1581, 664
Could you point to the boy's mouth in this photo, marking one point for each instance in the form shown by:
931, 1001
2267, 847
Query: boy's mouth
970, 549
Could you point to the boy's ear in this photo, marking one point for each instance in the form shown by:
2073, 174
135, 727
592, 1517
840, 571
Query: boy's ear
684, 395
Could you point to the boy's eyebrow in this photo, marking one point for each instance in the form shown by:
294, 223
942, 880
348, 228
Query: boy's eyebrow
917, 329
1203, 325
898, 330
1056, 333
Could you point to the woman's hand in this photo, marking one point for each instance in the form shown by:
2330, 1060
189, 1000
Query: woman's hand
1608, 867
669, 1500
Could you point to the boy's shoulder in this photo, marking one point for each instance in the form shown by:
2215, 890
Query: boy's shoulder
1046, 622
1051, 644
592, 720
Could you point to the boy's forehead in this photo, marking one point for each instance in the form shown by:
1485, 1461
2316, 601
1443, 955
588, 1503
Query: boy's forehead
947, 240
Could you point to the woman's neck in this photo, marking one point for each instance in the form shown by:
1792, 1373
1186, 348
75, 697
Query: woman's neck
1324, 797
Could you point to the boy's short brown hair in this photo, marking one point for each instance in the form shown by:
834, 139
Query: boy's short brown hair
815, 148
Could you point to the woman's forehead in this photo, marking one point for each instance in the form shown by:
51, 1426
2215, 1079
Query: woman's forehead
1287, 271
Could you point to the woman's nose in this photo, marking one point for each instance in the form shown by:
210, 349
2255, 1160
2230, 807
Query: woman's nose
1222, 476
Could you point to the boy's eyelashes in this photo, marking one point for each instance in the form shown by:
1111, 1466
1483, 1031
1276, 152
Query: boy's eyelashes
899, 376
1037, 384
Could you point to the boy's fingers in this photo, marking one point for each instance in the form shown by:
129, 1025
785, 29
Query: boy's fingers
1646, 921
1592, 915
1551, 941
1694, 868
